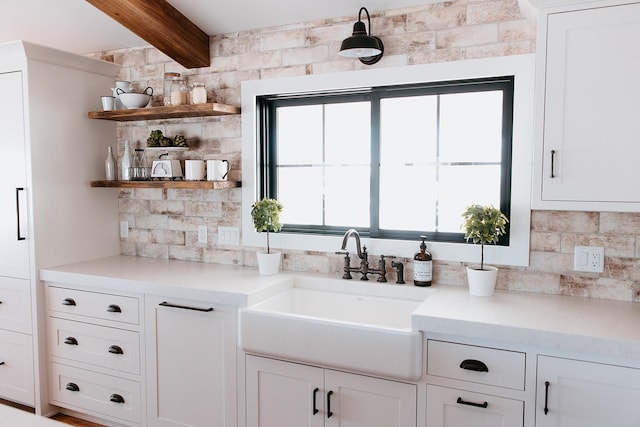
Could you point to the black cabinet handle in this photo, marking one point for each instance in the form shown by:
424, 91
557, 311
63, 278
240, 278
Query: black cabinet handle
116, 398
68, 301
18, 190
115, 349
72, 387
553, 166
71, 341
315, 408
477, 405
185, 307
546, 397
113, 308
474, 365
329, 413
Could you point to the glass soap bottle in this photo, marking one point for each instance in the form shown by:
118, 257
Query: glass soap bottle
422, 265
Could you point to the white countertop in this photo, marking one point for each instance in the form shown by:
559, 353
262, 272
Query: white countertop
573, 324
18, 418
223, 284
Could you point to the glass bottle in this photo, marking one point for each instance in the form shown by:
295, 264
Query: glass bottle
110, 166
166, 91
179, 92
198, 93
422, 265
125, 163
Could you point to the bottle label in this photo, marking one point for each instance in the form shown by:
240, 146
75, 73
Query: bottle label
422, 271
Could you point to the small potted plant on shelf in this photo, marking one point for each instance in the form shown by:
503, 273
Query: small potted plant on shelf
484, 225
266, 217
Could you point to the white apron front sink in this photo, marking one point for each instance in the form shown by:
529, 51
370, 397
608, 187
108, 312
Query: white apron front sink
358, 326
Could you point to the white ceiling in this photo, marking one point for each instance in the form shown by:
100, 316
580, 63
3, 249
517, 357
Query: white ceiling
76, 26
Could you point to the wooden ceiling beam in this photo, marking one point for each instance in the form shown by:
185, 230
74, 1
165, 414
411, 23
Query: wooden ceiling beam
163, 26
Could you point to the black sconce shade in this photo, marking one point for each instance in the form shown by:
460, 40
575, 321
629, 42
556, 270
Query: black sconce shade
362, 44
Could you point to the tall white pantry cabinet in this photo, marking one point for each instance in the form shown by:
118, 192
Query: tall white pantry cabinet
49, 215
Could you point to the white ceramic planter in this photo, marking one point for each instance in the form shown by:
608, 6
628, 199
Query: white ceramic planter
268, 263
482, 283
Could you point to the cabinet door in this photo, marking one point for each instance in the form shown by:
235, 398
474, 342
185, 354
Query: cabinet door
583, 394
591, 107
14, 250
15, 304
448, 407
283, 394
16, 367
191, 363
360, 401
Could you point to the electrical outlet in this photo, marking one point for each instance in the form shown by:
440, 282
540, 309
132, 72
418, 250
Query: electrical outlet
228, 236
124, 229
202, 234
589, 258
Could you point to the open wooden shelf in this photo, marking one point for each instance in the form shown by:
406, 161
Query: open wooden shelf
193, 185
156, 113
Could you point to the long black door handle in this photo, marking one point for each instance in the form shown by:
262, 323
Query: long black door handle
315, 407
329, 413
18, 190
185, 307
477, 405
546, 397
474, 365
553, 164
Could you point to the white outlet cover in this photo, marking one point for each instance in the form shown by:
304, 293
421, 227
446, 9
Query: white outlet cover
202, 234
589, 258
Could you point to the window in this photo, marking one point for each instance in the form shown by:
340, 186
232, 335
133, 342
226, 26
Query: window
392, 161
323, 239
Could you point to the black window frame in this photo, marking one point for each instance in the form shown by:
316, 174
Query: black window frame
267, 185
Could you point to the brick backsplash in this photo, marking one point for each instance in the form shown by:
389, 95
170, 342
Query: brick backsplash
164, 222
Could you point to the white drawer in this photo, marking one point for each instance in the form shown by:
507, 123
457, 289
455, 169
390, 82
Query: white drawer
105, 395
15, 305
93, 304
97, 345
16, 367
490, 366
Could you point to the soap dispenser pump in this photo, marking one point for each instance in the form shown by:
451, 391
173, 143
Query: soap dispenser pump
422, 265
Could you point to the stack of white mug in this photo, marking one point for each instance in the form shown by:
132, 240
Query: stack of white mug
216, 170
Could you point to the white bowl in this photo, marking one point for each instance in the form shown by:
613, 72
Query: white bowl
132, 100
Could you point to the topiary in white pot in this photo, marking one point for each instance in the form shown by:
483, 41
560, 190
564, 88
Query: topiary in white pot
266, 217
484, 225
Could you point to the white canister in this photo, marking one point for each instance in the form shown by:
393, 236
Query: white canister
194, 170
217, 170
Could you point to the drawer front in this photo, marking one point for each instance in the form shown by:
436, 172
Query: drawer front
16, 367
93, 304
105, 395
97, 345
15, 305
483, 365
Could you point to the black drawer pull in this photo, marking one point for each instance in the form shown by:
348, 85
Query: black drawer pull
71, 341
68, 301
329, 413
113, 308
1, 363
115, 349
315, 408
477, 405
116, 398
72, 387
474, 365
185, 307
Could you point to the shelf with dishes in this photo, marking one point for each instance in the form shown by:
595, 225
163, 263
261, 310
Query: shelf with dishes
162, 112
167, 183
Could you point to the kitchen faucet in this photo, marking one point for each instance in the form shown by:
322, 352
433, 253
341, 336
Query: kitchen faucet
364, 259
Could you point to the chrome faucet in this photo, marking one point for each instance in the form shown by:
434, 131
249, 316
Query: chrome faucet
364, 259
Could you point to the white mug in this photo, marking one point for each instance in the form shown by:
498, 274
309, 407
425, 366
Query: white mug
217, 170
107, 103
194, 170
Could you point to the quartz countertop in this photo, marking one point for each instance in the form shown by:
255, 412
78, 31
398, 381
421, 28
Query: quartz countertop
223, 284
572, 324
16, 417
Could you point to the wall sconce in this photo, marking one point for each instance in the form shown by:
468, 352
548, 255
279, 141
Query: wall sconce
362, 45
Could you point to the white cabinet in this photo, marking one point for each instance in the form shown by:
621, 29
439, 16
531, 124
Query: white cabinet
587, 109
96, 353
468, 378
48, 215
572, 393
191, 363
289, 394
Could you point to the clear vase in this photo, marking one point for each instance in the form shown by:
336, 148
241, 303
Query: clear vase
125, 165
110, 166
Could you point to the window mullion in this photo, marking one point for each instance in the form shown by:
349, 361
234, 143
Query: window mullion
374, 206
